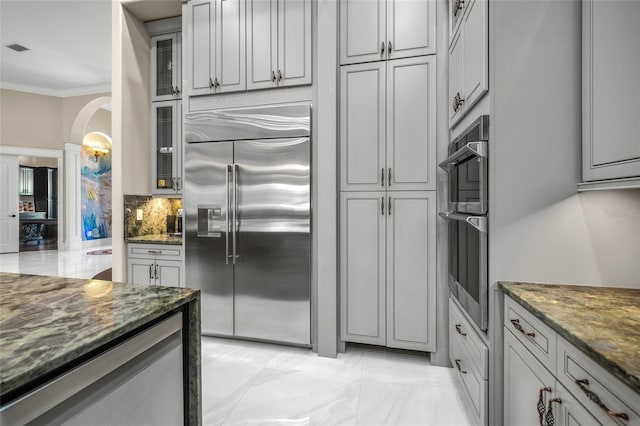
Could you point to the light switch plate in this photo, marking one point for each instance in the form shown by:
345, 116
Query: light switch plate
138, 214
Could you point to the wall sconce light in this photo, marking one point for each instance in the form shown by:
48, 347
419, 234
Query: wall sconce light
97, 143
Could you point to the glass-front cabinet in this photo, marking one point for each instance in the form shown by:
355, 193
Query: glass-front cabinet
166, 64
167, 148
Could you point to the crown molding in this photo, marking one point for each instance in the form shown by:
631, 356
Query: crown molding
64, 93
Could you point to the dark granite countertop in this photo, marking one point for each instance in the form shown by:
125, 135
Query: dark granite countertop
156, 239
47, 322
603, 322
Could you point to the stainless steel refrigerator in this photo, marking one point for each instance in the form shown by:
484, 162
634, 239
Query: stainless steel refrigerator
247, 221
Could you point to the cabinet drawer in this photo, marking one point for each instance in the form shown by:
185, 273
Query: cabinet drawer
574, 366
539, 338
155, 251
462, 330
475, 386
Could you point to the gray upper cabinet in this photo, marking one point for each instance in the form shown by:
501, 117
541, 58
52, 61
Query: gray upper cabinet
387, 274
166, 67
216, 40
166, 136
278, 43
611, 89
468, 57
374, 30
387, 125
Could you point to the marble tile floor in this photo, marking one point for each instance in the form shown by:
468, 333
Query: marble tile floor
59, 263
249, 383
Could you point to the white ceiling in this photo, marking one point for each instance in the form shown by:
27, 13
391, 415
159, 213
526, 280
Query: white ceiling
69, 43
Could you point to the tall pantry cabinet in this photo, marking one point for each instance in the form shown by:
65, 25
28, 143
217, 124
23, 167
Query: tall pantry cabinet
387, 173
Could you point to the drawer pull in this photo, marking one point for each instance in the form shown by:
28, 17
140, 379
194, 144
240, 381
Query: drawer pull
458, 365
549, 417
460, 332
582, 384
154, 251
540, 406
516, 324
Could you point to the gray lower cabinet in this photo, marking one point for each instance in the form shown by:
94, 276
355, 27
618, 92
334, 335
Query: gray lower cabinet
548, 381
387, 125
610, 90
387, 268
155, 264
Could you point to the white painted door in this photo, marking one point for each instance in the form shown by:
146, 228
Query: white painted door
9, 219
475, 52
411, 28
410, 268
362, 267
140, 271
362, 31
294, 42
411, 124
230, 46
362, 127
168, 273
201, 39
262, 44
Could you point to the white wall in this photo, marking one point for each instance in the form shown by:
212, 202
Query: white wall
131, 100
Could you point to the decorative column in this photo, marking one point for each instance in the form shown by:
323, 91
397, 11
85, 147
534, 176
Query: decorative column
73, 234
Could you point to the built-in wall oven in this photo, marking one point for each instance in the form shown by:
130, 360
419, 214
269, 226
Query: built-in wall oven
467, 166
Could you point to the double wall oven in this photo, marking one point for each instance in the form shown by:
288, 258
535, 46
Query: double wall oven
467, 166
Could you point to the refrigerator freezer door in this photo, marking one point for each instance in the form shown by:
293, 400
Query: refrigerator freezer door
207, 199
272, 275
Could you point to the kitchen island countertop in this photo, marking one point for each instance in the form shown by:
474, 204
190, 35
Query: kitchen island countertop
603, 322
49, 323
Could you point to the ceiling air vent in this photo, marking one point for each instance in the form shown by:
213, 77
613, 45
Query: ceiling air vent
17, 47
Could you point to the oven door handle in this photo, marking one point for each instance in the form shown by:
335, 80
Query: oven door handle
477, 149
478, 222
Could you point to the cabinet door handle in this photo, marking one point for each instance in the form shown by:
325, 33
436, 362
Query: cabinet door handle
457, 102
154, 251
173, 186
12, 215
156, 271
150, 272
210, 83
279, 75
177, 90
457, 6
549, 417
540, 406
459, 366
582, 383
389, 176
215, 82
459, 330
177, 184
273, 76
173, 91
517, 326
382, 207
389, 206
382, 49
382, 176
389, 48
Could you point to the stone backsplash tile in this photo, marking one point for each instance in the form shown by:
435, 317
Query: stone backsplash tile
154, 214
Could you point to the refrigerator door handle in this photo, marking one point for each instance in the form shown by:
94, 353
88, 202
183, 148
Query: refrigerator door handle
235, 211
228, 211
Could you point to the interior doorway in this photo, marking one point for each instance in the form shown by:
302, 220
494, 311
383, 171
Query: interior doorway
38, 203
